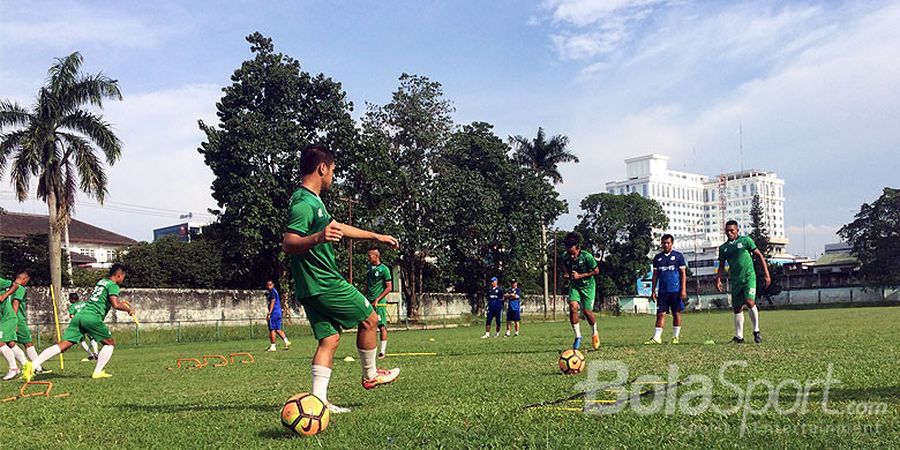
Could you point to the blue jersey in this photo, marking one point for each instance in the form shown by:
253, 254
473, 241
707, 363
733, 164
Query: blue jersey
515, 302
668, 273
273, 294
495, 298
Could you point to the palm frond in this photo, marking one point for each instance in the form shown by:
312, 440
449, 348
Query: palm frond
99, 131
12, 115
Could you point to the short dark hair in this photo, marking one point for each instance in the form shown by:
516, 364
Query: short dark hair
73, 296
572, 239
24, 272
373, 249
732, 222
116, 268
669, 237
312, 155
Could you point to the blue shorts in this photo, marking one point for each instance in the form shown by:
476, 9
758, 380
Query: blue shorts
513, 315
494, 314
274, 323
666, 301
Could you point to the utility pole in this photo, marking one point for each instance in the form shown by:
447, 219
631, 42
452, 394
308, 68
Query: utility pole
544, 245
555, 273
350, 202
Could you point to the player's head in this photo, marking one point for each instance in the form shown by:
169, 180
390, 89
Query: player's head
73, 297
493, 281
731, 230
316, 160
117, 273
270, 284
514, 283
374, 256
667, 241
22, 278
572, 242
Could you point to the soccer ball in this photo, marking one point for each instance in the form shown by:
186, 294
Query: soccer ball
305, 414
571, 361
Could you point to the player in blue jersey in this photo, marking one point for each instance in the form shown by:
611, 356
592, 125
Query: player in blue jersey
274, 317
670, 279
513, 310
495, 308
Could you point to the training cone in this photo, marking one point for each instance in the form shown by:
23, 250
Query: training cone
349, 359
709, 342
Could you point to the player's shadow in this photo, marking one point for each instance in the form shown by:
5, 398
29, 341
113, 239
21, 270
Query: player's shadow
168, 409
816, 394
275, 433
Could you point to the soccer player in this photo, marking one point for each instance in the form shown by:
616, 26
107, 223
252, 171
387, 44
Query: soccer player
273, 317
495, 308
90, 321
670, 277
378, 285
9, 321
23, 334
513, 314
75, 305
739, 252
581, 267
330, 302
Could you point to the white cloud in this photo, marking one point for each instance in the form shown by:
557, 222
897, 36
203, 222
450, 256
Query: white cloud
594, 27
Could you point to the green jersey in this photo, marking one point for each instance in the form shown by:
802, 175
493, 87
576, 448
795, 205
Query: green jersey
98, 303
584, 263
376, 280
739, 254
19, 294
315, 271
75, 307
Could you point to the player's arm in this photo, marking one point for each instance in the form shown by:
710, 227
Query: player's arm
388, 287
12, 288
653, 280
15, 305
120, 305
762, 261
578, 276
293, 242
271, 306
683, 271
719, 274
352, 232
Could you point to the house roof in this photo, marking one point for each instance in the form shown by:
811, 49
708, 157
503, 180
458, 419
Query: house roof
19, 225
837, 259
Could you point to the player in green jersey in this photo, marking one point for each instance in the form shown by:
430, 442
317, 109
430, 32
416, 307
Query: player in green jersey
330, 302
90, 321
581, 267
76, 305
23, 333
9, 322
739, 251
378, 286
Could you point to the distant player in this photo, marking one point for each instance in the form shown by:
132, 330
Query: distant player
739, 252
90, 321
23, 333
330, 302
273, 317
9, 321
75, 305
581, 267
494, 309
669, 276
378, 285
513, 309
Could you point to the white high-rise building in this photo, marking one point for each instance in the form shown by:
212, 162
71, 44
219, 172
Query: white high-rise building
698, 206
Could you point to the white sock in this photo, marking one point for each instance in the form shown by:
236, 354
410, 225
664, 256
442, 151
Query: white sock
10, 358
103, 358
384, 346
94, 346
367, 361
48, 353
739, 325
577, 328
20, 355
676, 331
754, 318
657, 333
594, 328
320, 377
31, 352
87, 349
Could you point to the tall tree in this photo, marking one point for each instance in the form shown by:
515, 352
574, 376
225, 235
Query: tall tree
759, 232
541, 155
57, 141
875, 238
267, 115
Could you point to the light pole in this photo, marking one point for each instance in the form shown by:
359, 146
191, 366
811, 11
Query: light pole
350, 203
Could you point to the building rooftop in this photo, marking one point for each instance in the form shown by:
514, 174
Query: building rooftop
19, 225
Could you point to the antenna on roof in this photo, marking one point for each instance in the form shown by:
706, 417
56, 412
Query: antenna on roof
741, 137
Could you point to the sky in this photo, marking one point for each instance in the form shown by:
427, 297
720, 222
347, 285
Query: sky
814, 87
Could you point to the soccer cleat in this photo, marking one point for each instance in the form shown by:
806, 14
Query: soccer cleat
100, 374
577, 344
12, 374
40, 370
653, 341
737, 340
381, 356
382, 377
335, 409
486, 335
85, 359
271, 349
497, 334
287, 344
507, 334
757, 337
595, 341
27, 371
517, 334
675, 341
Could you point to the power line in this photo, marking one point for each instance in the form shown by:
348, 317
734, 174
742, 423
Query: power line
130, 208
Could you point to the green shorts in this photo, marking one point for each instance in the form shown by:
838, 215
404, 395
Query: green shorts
381, 310
23, 334
8, 329
741, 292
342, 308
86, 324
583, 296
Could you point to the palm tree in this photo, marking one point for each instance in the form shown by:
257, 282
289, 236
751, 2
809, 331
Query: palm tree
56, 142
541, 155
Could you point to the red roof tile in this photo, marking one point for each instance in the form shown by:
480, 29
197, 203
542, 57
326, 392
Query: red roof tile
19, 225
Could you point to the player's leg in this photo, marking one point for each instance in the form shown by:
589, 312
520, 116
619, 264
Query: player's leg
574, 313
328, 338
94, 326
67, 341
497, 320
661, 308
273, 324
8, 336
487, 324
382, 331
271, 341
587, 305
10, 357
19, 354
753, 312
677, 307
508, 322
737, 306
280, 333
517, 326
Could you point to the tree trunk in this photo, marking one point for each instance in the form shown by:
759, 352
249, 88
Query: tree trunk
54, 244
544, 258
68, 255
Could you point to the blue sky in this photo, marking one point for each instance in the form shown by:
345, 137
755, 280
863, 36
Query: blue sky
814, 85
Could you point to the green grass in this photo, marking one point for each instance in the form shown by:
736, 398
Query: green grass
472, 394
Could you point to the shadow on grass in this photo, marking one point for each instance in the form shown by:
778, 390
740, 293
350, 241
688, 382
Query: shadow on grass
168, 409
275, 433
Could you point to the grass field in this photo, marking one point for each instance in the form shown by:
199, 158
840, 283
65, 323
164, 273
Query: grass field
472, 394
